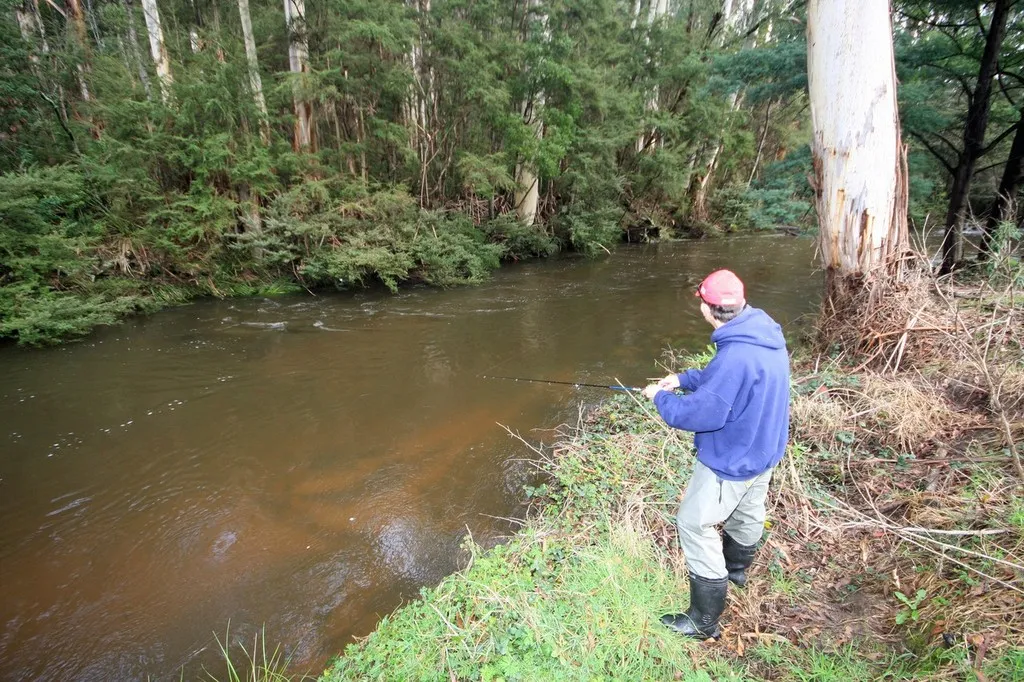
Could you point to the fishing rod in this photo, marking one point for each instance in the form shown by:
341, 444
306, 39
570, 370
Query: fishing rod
577, 384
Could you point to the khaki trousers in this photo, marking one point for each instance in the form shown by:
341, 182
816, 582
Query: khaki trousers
710, 500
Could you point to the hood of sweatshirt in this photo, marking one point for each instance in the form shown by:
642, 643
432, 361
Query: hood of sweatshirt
752, 326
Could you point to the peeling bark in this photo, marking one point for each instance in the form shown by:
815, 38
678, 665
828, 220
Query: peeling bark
860, 173
157, 48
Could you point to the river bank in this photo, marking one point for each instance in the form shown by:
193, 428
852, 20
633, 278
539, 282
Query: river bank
70, 267
249, 461
893, 549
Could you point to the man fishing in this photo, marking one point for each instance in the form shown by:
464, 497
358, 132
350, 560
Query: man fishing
738, 409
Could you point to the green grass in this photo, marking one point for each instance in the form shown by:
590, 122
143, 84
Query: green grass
254, 664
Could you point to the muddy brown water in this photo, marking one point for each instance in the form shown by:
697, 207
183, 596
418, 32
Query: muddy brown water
304, 464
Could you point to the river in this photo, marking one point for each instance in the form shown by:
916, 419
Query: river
304, 464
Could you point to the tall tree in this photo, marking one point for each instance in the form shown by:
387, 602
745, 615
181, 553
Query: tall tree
527, 193
157, 47
973, 136
1005, 201
737, 14
76, 17
860, 173
657, 10
298, 64
421, 97
253, 67
133, 46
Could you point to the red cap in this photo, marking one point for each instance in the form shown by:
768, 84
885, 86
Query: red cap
721, 287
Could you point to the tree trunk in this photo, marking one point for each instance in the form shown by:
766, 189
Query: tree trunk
656, 10
1004, 205
157, 48
26, 26
30, 24
760, 144
91, 16
421, 99
133, 47
736, 15
527, 194
974, 137
255, 82
77, 19
860, 174
298, 63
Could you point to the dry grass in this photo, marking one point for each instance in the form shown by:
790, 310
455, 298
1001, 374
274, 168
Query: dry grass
905, 481
914, 471
904, 414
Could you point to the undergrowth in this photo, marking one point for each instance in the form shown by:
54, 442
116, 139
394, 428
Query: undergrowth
70, 263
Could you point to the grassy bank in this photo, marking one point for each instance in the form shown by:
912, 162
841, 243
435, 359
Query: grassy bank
894, 547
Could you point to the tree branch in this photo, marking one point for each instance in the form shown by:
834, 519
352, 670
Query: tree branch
60, 120
934, 151
927, 22
1002, 136
982, 31
1011, 74
949, 144
989, 167
959, 77
59, 11
1002, 89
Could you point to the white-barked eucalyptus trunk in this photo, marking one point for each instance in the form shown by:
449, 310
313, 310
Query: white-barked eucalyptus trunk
298, 63
27, 26
655, 11
157, 48
421, 98
252, 62
133, 47
527, 193
860, 174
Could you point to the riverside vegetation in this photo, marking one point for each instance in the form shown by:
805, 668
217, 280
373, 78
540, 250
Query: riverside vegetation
894, 547
345, 142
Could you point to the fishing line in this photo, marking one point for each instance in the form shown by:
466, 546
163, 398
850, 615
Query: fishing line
576, 384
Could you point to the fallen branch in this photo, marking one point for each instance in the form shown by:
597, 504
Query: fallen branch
920, 540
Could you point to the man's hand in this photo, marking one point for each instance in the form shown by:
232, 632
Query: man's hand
669, 383
652, 390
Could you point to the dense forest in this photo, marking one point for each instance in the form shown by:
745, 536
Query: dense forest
155, 151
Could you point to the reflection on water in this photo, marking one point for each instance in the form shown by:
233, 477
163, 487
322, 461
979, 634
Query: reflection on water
308, 463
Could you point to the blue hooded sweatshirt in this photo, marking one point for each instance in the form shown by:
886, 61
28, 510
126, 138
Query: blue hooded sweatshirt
738, 406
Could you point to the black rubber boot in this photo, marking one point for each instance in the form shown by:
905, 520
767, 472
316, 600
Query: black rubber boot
737, 559
707, 601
